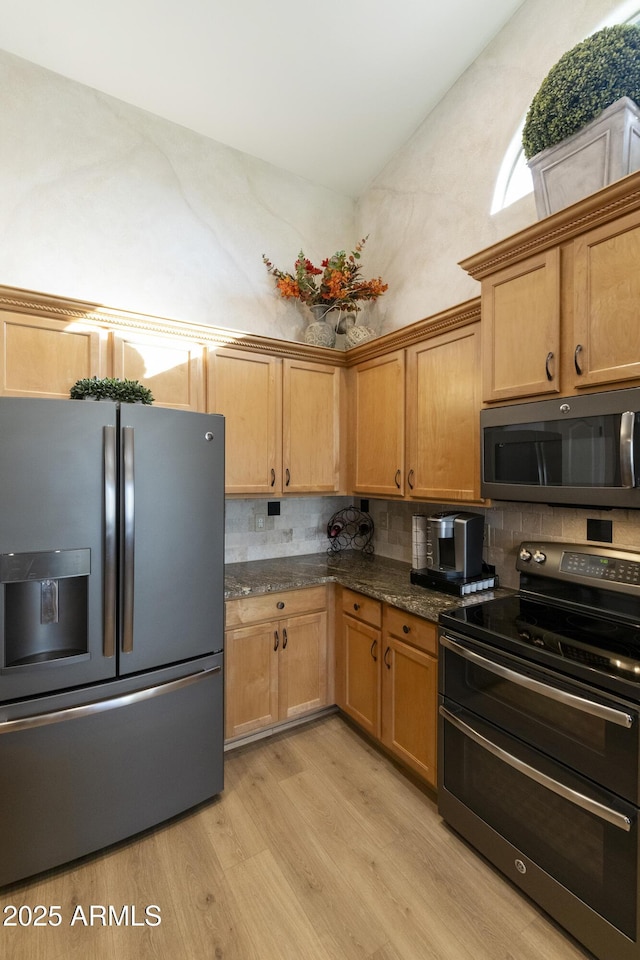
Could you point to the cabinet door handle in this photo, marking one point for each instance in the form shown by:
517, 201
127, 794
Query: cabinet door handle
373, 647
287, 477
386, 662
576, 364
546, 366
276, 640
397, 478
273, 477
284, 638
410, 479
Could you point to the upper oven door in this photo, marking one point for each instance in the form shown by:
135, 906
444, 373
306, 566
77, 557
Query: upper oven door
574, 450
595, 734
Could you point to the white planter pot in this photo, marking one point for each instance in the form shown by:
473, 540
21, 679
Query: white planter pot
605, 150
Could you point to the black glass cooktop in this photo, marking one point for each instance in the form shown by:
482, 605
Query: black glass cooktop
578, 637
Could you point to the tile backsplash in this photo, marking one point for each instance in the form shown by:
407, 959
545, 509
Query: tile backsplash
506, 525
301, 528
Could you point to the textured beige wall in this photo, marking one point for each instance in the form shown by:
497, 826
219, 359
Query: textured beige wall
429, 208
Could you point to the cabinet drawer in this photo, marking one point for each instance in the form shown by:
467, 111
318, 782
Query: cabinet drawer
361, 607
273, 606
421, 633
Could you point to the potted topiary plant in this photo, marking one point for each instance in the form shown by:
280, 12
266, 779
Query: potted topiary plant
582, 130
110, 388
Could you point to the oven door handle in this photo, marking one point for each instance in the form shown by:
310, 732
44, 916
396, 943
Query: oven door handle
619, 820
600, 710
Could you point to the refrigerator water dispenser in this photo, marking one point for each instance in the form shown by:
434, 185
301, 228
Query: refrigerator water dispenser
45, 606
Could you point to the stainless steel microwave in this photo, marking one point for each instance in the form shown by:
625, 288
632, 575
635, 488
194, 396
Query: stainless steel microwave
580, 450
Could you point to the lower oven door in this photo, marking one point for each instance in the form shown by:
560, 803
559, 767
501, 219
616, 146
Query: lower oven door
594, 733
569, 844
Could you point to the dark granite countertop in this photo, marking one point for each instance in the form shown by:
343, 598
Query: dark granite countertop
376, 577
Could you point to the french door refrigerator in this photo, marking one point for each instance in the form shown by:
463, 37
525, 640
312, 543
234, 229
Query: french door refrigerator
111, 623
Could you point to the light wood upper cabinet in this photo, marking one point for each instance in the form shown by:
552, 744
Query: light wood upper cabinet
43, 357
377, 426
311, 420
521, 328
606, 315
171, 368
443, 404
284, 422
246, 388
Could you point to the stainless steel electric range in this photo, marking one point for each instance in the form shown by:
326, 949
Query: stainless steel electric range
539, 736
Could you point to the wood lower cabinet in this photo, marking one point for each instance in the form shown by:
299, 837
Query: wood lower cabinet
358, 654
275, 659
410, 690
387, 678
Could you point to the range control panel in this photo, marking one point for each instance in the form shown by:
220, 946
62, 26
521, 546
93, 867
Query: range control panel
601, 568
581, 563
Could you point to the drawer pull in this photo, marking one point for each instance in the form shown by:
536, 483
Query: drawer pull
356, 606
280, 604
405, 628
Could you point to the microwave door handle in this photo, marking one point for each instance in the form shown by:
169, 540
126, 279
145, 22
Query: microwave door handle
627, 459
597, 809
542, 464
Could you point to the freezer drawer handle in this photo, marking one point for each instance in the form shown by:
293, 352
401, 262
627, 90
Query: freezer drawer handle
99, 706
599, 810
599, 710
110, 568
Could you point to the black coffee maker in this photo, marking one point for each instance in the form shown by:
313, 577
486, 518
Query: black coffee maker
447, 553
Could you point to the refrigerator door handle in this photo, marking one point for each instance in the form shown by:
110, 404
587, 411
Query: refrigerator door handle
99, 706
110, 541
128, 537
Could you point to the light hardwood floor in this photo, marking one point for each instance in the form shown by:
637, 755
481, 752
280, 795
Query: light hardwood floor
318, 849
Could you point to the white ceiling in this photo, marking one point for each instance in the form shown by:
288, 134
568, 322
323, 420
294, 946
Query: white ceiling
328, 90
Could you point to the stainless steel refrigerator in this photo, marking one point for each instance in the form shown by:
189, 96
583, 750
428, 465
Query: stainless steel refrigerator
111, 623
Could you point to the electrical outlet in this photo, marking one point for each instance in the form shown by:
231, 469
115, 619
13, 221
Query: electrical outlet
259, 523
